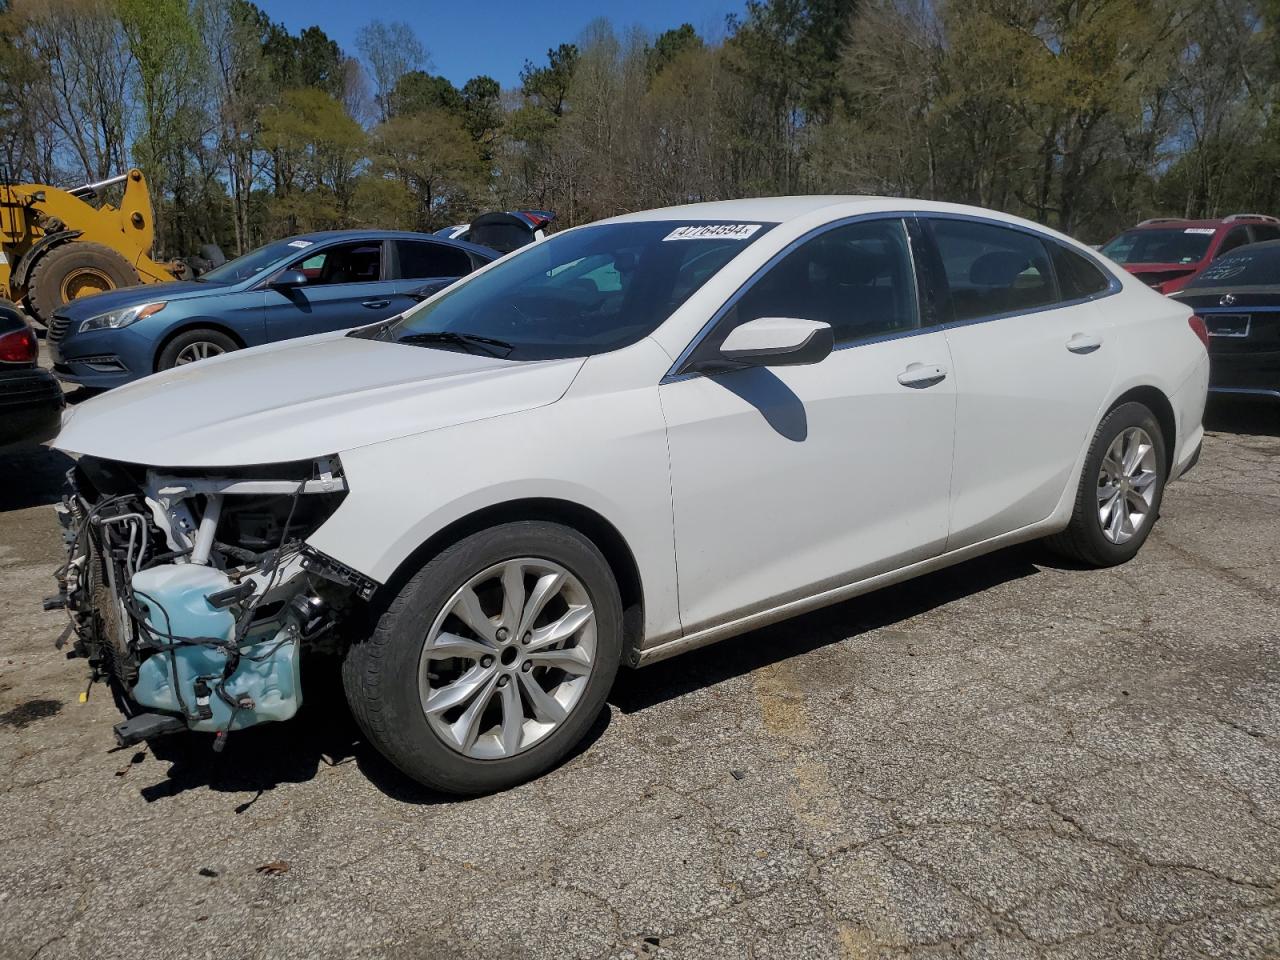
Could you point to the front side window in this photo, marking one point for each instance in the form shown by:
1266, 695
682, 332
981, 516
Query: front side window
1161, 245
422, 260
1078, 276
579, 293
857, 277
359, 262
992, 270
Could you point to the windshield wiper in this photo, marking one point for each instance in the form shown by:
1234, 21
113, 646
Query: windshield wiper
469, 341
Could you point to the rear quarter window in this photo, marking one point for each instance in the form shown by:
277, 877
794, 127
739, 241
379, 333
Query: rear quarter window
1078, 277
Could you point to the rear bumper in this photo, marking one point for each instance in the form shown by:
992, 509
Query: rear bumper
31, 403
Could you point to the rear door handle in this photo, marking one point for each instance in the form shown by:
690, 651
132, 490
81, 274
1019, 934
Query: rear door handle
376, 304
922, 375
1083, 343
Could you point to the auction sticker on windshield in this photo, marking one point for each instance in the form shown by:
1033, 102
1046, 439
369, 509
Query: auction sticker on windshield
724, 231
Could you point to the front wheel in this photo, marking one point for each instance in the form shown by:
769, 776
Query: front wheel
493, 661
1120, 490
191, 346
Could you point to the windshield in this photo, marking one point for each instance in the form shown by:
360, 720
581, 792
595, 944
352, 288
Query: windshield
579, 293
1175, 245
253, 262
1254, 266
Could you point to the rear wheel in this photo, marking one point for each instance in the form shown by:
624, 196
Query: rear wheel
193, 345
72, 270
493, 661
1120, 491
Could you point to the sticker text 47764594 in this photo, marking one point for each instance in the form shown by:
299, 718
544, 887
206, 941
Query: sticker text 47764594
713, 231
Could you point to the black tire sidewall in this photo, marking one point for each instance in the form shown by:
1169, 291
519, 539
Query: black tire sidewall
168, 357
45, 291
1121, 418
401, 730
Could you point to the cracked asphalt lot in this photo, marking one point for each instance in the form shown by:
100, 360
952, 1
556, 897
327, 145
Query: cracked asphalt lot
1008, 759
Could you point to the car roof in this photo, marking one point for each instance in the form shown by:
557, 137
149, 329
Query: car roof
782, 209
326, 236
767, 209
1178, 223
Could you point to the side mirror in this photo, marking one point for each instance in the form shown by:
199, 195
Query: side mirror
287, 279
777, 342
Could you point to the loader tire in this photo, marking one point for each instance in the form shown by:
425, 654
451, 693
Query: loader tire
72, 270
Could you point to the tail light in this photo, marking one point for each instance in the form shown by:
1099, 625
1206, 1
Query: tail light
1199, 329
20, 346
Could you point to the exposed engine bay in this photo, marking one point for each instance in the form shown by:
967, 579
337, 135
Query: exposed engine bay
192, 594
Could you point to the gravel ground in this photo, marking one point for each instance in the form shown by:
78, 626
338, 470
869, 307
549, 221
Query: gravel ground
1007, 759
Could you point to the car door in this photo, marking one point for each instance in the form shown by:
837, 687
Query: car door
1031, 370
345, 288
423, 267
788, 481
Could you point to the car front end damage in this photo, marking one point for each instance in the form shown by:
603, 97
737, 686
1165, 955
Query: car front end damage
193, 594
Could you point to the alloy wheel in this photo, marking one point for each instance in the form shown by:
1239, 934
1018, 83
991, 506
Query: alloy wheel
508, 658
200, 350
1127, 485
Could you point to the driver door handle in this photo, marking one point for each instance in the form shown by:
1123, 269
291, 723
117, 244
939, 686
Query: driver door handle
920, 375
375, 304
1083, 343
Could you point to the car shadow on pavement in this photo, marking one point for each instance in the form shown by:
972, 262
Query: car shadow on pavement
323, 734
31, 477
637, 690
1260, 417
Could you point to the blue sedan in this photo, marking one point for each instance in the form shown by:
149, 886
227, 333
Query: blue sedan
290, 288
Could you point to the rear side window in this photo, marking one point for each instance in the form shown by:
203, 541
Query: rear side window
421, 260
1078, 277
1265, 231
992, 270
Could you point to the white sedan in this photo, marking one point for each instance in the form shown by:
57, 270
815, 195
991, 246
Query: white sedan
633, 439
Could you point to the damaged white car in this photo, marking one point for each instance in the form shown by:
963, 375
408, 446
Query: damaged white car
632, 439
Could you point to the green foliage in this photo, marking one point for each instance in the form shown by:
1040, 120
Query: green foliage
547, 87
431, 155
671, 45
1085, 114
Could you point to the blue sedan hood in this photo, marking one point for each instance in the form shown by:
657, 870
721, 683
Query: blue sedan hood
100, 303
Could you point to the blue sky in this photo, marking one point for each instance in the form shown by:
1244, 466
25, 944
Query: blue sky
495, 36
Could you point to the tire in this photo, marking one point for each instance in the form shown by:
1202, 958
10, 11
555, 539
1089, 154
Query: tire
1085, 540
75, 269
389, 681
186, 346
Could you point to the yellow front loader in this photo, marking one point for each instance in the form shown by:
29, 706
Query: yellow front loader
56, 246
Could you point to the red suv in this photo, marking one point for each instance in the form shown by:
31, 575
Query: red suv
1166, 253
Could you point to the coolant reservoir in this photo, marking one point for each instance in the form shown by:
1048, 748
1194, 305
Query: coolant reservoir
175, 600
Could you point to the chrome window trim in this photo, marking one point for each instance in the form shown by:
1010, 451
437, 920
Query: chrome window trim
674, 374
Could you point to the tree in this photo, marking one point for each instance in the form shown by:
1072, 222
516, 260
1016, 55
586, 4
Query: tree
670, 45
418, 92
547, 87
435, 160
390, 50
317, 150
